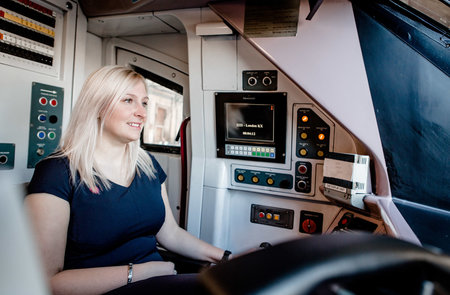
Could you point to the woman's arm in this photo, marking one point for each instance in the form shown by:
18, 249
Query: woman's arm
180, 241
50, 218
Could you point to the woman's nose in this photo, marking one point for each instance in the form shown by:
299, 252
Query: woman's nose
141, 111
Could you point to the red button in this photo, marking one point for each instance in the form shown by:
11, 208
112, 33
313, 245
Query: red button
43, 101
309, 226
53, 102
261, 214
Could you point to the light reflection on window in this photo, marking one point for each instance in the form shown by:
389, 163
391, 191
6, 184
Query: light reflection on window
435, 9
164, 115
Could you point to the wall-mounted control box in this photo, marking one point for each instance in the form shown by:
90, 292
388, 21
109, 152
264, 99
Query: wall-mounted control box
260, 80
45, 121
7, 153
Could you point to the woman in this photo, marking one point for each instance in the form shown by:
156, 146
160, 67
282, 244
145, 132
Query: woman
99, 204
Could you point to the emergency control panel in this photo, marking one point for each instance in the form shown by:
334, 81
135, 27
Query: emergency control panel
312, 135
45, 121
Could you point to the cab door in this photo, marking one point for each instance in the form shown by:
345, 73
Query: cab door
168, 106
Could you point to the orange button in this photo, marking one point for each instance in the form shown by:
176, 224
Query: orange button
321, 136
305, 119
276, 217
269, 215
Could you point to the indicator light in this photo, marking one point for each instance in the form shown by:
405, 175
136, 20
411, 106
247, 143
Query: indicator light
303, 152
43, 101
321, 136
305, 119
304, 135
53, 102
302, 169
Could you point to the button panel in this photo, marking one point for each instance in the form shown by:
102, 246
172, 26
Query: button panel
313, 135
263, 178
45, 121
259, 80
250, 151
272, 216
303, 172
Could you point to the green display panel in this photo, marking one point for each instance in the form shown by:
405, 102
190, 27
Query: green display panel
45, 121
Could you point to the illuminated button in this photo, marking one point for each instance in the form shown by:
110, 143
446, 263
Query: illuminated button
41, 134
303, 152
240, 177
321, 136
302, 169
42, 118
269, 215
53, 102
261, 214
255, 179
304, 135
270, 181
51, 135
305, 119
43, 101
276, 217
320, 153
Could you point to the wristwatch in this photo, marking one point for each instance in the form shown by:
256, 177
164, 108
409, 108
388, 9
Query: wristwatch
225, 256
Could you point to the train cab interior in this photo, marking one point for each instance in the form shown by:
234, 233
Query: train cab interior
311, 138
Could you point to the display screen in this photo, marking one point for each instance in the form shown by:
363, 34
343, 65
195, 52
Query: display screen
250, 122
251, 126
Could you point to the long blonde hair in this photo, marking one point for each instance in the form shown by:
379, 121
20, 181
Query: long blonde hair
99, 96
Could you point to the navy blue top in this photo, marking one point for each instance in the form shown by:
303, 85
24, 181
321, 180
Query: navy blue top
110, 227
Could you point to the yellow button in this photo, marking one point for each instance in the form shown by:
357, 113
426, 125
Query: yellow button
255, 179
276, 217
305, 119
304, 135
270, 181
269, 215
303, 152
320, 153
321, 136
240, 177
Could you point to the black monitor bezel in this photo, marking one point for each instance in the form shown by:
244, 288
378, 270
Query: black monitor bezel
279, 99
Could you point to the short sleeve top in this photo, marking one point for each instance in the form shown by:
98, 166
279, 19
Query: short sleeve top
107, 227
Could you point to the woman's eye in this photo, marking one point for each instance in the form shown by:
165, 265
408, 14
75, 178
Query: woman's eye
145, 104
127, 100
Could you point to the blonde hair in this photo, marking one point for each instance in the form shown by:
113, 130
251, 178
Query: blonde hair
99, 96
